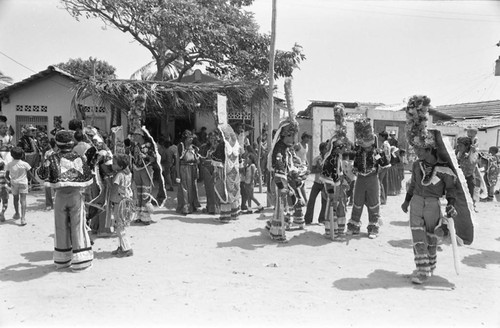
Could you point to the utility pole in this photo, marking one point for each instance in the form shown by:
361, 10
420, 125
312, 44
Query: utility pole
271, 79
497, 63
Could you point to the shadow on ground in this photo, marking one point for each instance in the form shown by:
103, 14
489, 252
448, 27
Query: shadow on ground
389, 279
482, 259
401, 243
249, 243
400, 223
307, 238
28, 271
196, 219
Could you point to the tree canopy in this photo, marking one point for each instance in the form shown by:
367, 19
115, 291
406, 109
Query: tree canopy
84, 68
217, 33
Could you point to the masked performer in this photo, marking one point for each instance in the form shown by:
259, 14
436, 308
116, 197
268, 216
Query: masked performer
431, 178
335, 181
68, 174
225, 160
143, 156
366, 188
280, 164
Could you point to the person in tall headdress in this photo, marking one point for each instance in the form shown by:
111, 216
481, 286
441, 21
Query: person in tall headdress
280, 164
431, 178
335, 178
68, 174
367, 162
226, 174
143, 156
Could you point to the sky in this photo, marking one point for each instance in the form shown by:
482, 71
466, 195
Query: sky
367, 51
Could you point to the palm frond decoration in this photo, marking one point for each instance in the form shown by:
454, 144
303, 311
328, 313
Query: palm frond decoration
166, 97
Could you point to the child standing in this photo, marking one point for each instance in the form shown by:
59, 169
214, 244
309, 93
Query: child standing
250, 171
121, 199
18, 172
4, 191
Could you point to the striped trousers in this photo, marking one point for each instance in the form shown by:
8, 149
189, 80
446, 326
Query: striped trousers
425, 213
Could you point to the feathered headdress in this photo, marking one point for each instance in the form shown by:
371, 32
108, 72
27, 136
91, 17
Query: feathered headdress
417, 115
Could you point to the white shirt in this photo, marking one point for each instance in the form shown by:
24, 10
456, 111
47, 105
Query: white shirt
301, 152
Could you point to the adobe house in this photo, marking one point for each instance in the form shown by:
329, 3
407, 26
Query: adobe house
47, 95
318, 120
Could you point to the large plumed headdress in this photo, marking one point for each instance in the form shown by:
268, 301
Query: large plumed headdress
417, 115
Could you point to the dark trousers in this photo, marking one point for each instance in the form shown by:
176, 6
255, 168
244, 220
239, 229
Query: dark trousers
315, 190
489, 188
383, 179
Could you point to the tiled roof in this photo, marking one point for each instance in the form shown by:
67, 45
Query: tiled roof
470, 110
50, 70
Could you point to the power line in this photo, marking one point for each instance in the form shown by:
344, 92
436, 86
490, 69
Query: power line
15, 61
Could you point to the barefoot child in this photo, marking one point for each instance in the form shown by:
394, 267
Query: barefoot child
250, 172
4, 191
121, 198
17, 173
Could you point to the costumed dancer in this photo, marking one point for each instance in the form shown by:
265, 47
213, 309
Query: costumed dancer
335, 182
280, 163
225, 160
143, 156
367, 161
68, 174
431, 178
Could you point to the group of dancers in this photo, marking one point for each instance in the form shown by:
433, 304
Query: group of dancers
124, 174
434, 175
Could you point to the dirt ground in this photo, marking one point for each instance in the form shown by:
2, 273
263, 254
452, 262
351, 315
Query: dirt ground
189, 271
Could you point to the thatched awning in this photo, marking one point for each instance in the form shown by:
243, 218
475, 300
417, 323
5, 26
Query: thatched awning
169, 97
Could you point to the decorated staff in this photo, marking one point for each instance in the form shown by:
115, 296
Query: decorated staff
434, 174
335, 182
227, 175
68, 174
367, 161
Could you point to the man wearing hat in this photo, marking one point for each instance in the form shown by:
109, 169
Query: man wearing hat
68, 174
30, 145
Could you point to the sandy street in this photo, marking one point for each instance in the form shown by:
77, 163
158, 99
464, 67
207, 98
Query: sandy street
192, 271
